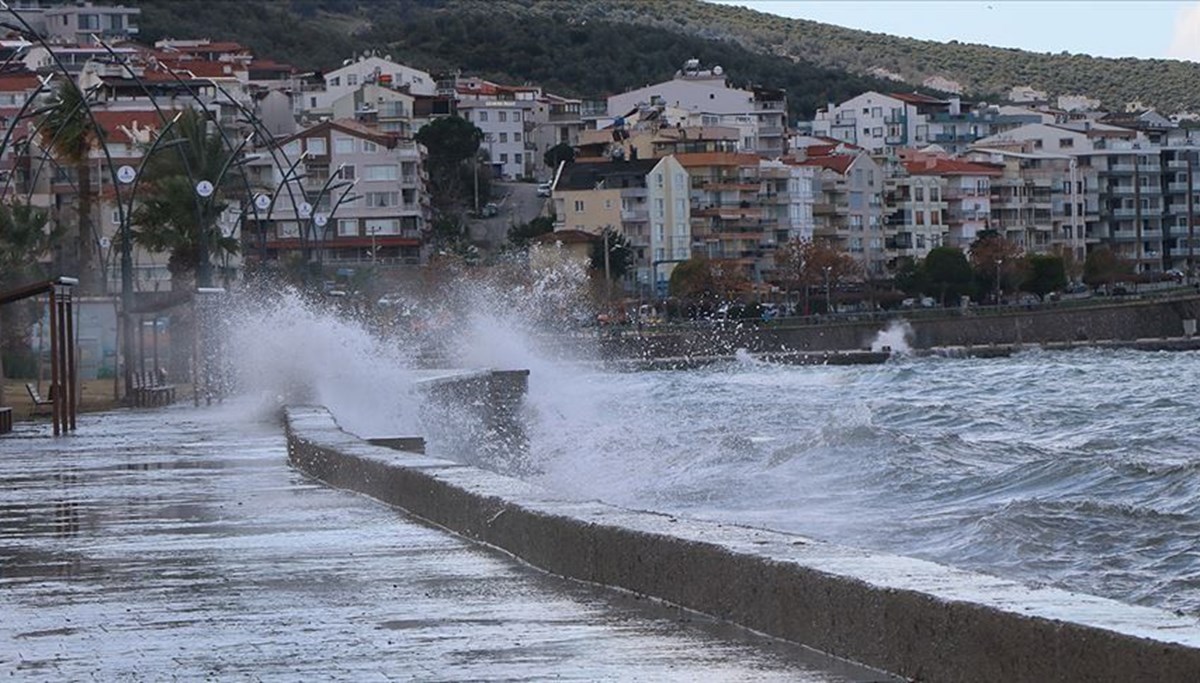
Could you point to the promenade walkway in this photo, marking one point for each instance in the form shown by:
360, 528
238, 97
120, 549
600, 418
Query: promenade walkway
178, 544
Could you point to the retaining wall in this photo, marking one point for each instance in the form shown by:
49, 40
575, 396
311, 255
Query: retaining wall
910, 617
1130, 320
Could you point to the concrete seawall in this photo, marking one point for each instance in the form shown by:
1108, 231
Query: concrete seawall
909, 617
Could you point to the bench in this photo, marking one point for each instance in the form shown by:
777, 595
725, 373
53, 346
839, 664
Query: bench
6, 420
151, 389
41, 406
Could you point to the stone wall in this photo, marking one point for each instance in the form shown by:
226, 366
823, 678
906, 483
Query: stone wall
1053, 324
910, 617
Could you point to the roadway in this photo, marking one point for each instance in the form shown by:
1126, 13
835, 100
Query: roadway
516, 203
178, 543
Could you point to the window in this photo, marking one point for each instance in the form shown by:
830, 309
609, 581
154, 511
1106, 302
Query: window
388, 172
483, 116
343, 145
516, 116
579, 205
351, 79
369, 147
347, 172
919, 193
382, 226
347, 227
516, 137
292, 149
89, 22
316, 146
502, 116
382, 200
934, 194
877, 131
659, 207
680, 181
335, 81
504, 137
504, 157
288, 229
517, 158
1066, 143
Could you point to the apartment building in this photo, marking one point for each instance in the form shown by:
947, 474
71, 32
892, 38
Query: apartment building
503, 124
645, 200
1148, 196
552, 121
759, 114
916, 212
384, 109
360, 70
882, 123
79, 23
849, 208
966, 195
1040, 202
359, 195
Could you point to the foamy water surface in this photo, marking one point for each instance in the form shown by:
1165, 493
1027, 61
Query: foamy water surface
1077, 469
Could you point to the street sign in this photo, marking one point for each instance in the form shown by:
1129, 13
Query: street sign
204, 188
320, 220
262, 202
105, 243
305, 209
126, 174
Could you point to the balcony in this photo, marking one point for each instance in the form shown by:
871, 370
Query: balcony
635, 215
770, 131
1179, 187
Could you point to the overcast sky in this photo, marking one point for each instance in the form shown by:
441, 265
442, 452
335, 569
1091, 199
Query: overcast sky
1106, 28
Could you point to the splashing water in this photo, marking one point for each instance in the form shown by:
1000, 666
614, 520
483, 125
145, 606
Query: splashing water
894, 338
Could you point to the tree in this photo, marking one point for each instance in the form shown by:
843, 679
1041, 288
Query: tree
68, 133
620, 254
519, 236
994, 260
23, 239
701, 283
1103, 267
948, 273
1044, 274
452, 142
558, 154
172, 217
805, 264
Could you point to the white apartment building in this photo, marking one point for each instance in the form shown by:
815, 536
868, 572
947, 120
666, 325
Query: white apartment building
370, 69
503, 126
881, 123
760, 114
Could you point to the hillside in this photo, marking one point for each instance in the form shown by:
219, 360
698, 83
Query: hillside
597, 47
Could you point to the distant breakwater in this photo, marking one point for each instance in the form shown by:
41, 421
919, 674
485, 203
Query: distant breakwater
1129, 324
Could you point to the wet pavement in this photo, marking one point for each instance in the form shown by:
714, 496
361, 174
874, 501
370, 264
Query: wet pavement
178, 544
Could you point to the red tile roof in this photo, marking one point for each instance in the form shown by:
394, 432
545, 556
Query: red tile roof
18, 82
917, 98
939, 166
116, 124
840, 163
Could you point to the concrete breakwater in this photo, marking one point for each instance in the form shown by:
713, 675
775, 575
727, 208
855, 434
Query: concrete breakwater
909, 617
1081, 324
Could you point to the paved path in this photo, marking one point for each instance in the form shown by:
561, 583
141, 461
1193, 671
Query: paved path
178, 544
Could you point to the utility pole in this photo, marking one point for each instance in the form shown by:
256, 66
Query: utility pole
607, 271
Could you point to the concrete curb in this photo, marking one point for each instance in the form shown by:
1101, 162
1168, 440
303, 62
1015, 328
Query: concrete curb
913, 618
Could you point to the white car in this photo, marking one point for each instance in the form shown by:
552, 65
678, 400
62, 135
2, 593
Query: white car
544, 189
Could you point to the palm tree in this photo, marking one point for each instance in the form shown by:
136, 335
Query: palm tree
23, 239
172, 218
68, 132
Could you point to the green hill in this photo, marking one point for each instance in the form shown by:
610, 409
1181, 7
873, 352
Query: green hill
599, 47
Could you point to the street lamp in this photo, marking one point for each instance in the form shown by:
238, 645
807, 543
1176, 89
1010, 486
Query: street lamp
999, 263
828, 306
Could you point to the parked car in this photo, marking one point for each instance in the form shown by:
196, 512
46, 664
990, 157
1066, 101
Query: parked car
489, 211
544, 189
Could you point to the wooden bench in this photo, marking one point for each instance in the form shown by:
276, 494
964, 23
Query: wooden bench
6, 420
151, 389
41, 406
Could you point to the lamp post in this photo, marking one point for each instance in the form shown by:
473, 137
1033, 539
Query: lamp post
828, 305
999, 263
207, 191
